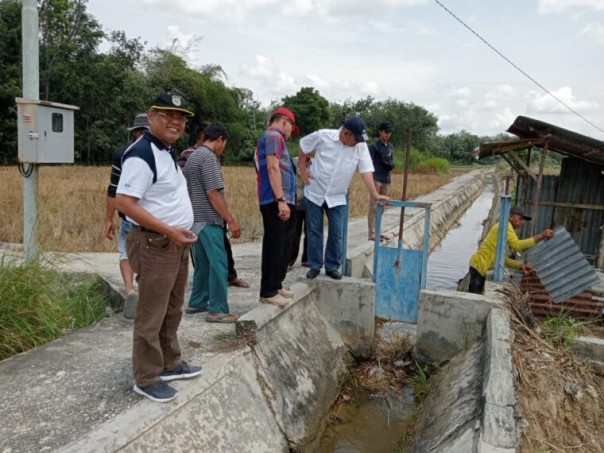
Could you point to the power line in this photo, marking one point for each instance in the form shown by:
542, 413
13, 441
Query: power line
517, 68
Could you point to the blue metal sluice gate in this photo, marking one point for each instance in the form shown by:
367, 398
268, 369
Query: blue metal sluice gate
399, 273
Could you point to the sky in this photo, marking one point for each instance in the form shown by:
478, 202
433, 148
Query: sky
409, 50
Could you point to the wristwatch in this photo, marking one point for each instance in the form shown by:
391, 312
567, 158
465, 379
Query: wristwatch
281, 199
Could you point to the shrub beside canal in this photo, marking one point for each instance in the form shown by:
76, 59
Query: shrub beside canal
39, 304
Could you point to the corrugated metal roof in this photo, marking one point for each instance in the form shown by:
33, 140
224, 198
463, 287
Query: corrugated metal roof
532, 132
561, 266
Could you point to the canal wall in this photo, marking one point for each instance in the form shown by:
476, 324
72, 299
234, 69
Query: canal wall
471, 406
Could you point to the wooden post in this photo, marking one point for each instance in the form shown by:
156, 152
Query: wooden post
535, 209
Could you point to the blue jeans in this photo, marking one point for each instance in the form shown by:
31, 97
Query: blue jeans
336, 216
125, 228
210, 271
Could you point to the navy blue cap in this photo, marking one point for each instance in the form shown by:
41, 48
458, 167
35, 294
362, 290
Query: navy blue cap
356, 126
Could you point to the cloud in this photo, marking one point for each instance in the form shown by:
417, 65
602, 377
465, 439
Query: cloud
544, 103
595, 31
262, 68
239, 11
462, 92
560, 6
502, 92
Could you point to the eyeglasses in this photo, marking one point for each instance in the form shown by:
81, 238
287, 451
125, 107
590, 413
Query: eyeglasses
173, 116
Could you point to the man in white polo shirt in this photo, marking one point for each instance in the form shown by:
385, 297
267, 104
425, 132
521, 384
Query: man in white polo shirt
152, 193
338, 154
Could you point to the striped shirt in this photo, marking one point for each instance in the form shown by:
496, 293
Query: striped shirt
272, 143
203, 175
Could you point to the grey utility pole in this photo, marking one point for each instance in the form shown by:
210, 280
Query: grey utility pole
31, 91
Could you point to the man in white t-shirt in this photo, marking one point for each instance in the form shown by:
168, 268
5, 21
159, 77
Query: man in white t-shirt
152, 193
338, 154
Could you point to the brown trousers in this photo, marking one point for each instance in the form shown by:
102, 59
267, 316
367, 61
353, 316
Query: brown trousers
161, 269
382, 189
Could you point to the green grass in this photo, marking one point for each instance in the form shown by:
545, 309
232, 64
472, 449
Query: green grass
561, 329
38, 304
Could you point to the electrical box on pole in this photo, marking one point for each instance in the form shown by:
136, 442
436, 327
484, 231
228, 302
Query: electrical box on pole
46, 132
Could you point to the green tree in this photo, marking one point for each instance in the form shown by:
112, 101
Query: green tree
311, 109
10, 77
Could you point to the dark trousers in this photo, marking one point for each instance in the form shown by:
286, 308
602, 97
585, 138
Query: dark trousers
476, 282
299, 228
276, 248
232, 273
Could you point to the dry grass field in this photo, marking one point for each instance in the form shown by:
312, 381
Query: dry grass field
71, 204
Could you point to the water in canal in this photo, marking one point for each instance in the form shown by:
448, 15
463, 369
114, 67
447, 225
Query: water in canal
448, 262
375, 426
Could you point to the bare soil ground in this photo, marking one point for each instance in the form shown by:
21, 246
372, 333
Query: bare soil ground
560, 398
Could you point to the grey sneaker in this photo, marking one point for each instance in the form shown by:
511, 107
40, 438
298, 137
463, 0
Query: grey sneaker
182, 371
160, 392
130, 306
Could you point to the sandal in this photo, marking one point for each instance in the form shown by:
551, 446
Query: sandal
223, 318
239, 283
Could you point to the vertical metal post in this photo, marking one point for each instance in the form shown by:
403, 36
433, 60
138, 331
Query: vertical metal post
426, 248
31, 91
502, 236
378, 229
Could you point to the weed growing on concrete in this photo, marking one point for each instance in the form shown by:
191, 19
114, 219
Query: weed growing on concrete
561, 329
39, 304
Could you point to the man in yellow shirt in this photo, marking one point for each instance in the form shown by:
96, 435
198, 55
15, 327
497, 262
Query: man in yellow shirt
484, 258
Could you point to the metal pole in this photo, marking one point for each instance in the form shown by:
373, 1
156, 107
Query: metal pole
397, 262
502, 236
31, 91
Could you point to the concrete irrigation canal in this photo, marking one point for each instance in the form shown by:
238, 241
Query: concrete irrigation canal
269, 382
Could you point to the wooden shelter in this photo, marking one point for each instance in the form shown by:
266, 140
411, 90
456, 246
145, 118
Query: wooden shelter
574, 198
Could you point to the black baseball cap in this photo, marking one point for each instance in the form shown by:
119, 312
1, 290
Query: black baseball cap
385, 126
168, 101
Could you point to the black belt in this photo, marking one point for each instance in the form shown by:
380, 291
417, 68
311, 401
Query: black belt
142, 229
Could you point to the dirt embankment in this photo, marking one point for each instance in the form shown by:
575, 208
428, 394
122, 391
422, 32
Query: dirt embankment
560, 398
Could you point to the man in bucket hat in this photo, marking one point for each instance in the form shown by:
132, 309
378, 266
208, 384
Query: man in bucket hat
152, 193
484, 258
338, 154
137, 129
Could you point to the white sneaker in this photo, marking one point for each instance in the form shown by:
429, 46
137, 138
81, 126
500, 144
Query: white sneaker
287, 293
277, 299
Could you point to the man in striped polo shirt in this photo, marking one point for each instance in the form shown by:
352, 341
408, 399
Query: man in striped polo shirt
152, 193
206, 190
277, 198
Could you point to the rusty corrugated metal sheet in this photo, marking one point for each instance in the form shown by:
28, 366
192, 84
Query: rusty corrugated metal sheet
580, 306
561, 140
561, 266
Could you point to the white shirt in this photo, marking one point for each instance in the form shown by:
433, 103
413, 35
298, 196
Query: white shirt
333, 167
167, 199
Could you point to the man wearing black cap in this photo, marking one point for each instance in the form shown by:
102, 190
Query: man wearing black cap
484, 258
138, 128
338, 154
382, 156
152, 193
